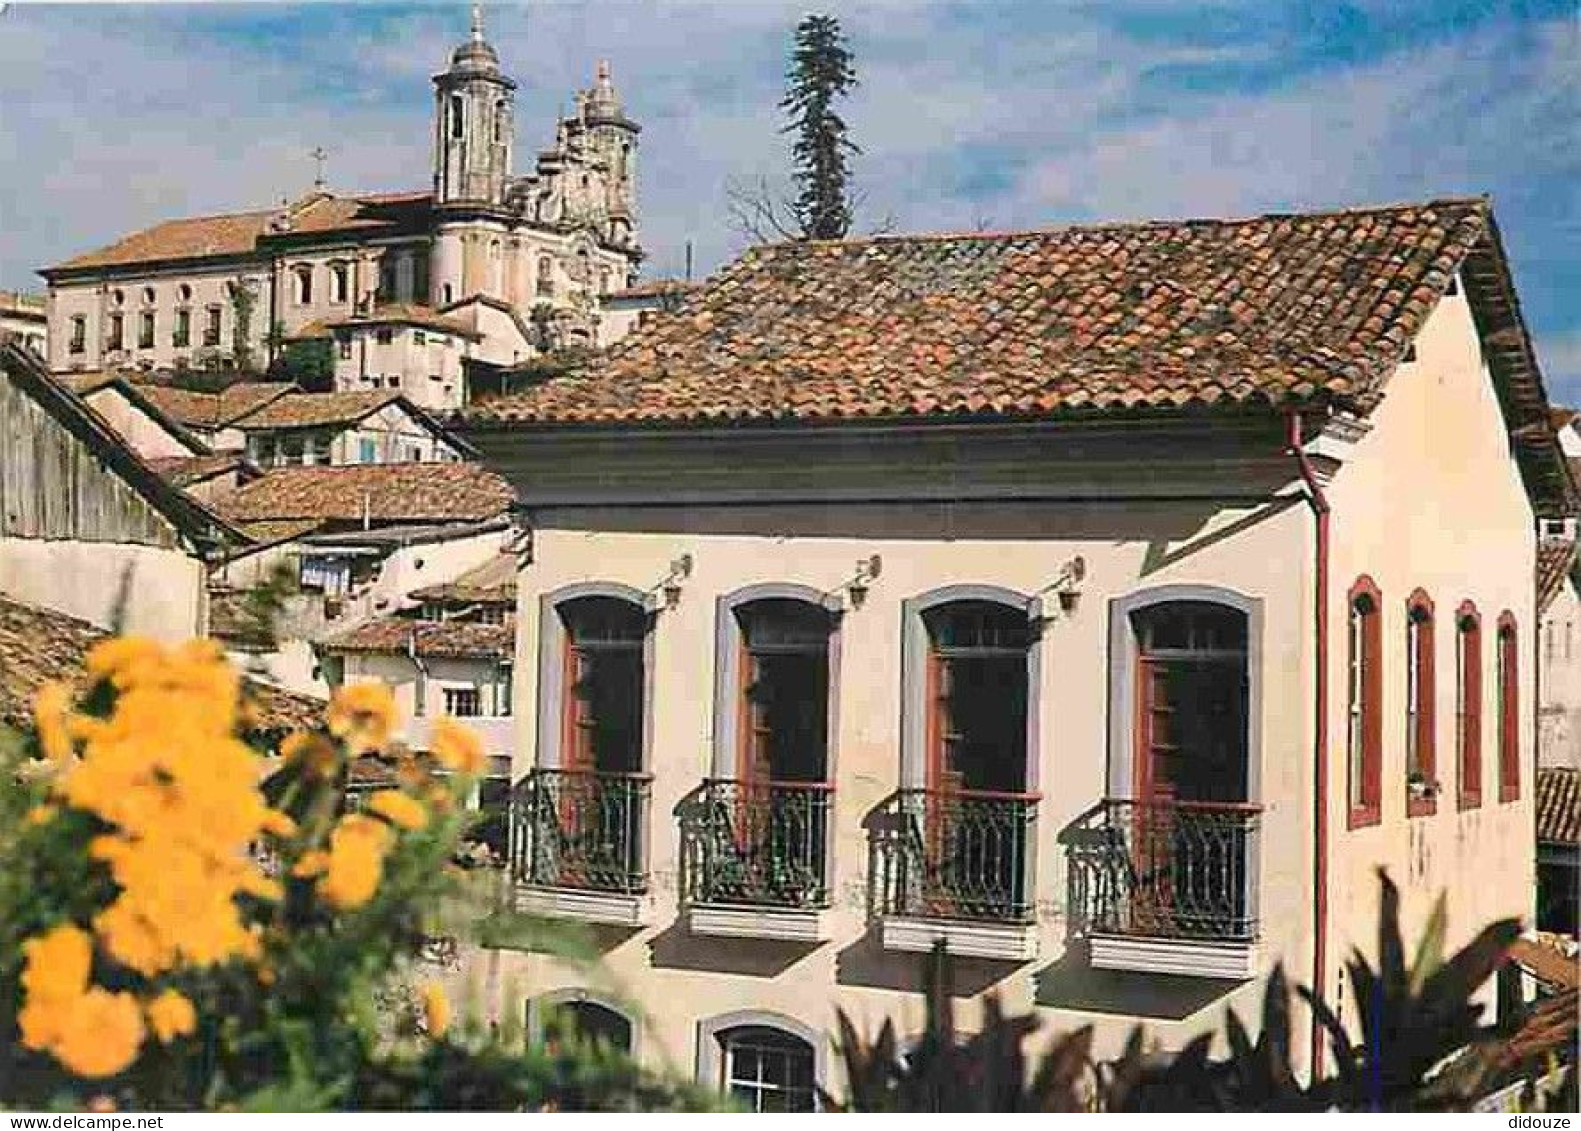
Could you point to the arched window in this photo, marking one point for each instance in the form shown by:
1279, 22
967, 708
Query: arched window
1468, 704
602, 704
782, 692
586, 1023
977, 696
545, 276
1421, 780
184, 292
339, 283
457, 116
302, 276
1364, 707
1509, 708
119, 297
448, 294
501, 120
767, 1069
148, 295
388, 278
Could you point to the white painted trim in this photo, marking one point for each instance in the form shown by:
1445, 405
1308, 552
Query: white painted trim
786, 924
1006, 942
539, 1008
617, 909
710, 1052
1192, 958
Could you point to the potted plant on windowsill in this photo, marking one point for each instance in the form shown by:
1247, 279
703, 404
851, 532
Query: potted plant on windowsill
1420, 786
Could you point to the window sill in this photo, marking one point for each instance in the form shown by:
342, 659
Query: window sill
1469, 801
1420, 807
1228, 960
1363, 818
619, 909
1004, 942
783, 924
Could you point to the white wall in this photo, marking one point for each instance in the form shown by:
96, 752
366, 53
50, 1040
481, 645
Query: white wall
161, 591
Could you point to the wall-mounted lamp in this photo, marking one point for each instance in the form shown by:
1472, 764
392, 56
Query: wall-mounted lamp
867, 571
1066, 585
680, 570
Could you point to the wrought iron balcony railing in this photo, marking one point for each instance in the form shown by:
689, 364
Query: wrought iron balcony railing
958, 854
581, 829
1165, 869
757, 843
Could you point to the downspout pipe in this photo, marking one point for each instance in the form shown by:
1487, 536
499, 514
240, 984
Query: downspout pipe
1318, 501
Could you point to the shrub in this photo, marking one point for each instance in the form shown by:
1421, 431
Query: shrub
189, 922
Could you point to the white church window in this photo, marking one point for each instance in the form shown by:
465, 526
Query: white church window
79, 333
500, 120
211, 326
303, 275
545, 275
119, 297
148, 295
457, 116
184, 292
339, 282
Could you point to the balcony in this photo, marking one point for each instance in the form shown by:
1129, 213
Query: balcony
754, 859
577, 844
1166, 887
956, 866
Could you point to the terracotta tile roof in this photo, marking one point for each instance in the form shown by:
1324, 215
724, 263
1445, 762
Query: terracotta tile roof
184, 471
1562, 415
1555, 558
268, 532
313, 410
1269, 309
492, 582
1559, 805
453, 639
379, 493
1558, 970
654, 288
407, 314
239, 233
39, 645
215, 410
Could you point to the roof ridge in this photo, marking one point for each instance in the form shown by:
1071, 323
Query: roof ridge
1125, 225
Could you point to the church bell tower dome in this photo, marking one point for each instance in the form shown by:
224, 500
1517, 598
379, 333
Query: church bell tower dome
473, 130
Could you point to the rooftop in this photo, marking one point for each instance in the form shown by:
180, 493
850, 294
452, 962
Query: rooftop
239, 233
38, 646
406, 314
312, 410
452, 639
1555, 559
492, 582
1559, 805
376, 494
186, 471
214, 410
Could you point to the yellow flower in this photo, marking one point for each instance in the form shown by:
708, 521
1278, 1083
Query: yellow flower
436, 1009
312, 750
100, 1034
57, 964
457, 748
399, 809
41, 814
171, 1015
278, 823
356, 860
311, 864
51, 707
362, 715
123, 658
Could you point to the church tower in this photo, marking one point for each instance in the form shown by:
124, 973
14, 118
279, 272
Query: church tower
472, 125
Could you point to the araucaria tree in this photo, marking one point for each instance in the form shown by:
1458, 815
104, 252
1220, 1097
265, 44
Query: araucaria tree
822, 70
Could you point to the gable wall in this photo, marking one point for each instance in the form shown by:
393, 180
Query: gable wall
142, 432
1431, 497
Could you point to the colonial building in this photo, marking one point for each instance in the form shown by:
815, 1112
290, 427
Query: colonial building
1097, 601
24, 318
485, 249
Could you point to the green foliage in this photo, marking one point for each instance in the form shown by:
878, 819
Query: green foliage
1421, 1046
822, 69
317, 1022
310, 362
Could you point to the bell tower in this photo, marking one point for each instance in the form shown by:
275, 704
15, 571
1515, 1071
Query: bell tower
472, 126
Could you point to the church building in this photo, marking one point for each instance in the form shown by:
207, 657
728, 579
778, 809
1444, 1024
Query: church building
506, 265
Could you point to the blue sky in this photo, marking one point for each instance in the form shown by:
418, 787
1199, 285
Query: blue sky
983, 113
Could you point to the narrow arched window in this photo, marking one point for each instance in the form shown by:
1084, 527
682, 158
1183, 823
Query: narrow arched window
339, 283
1421, 782
302, 276
766, 1069
602, 705
783, 697
977, 696
1364, 703
545, 276
1468, 704
1509, 708
501, 120
458, 116
587, 1024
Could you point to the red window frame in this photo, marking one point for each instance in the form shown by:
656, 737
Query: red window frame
1509, 708
1468, 704
1421, 705
1364, 704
